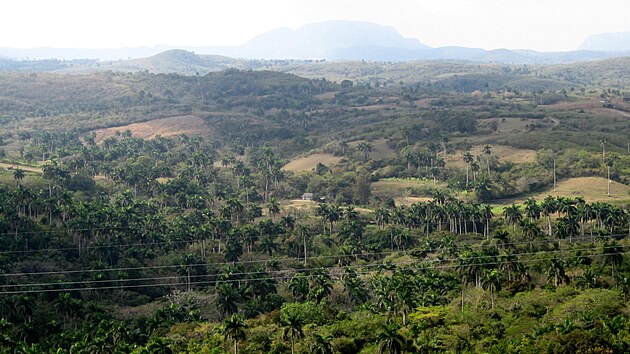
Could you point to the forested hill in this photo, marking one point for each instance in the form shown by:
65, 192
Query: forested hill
84, 102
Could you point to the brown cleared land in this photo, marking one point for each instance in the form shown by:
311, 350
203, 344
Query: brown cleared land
309, 162
189, 125
592, 189
503, 153
12, 166
380, 150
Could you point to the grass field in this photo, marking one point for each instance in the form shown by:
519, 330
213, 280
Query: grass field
12, 166
189, 125
503, 153
405, 191
592, 189
380, 150
308, 163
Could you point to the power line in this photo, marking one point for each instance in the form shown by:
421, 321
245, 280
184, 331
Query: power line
279, 259
373, 265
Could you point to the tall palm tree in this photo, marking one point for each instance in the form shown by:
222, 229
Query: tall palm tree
532, 209
292, 328
299, 286
491, 280
549, 206
18, 175
390, 341
468, 159
513, 215
610, 162
487, 151
320, 285
531, 231
227, 298
613, 255
233, 329
382, 216
273, 206
556, 272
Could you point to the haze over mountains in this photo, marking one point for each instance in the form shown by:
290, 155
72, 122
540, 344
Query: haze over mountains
338, 40
619, 41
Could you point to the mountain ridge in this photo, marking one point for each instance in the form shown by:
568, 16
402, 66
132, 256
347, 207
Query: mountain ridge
330, 40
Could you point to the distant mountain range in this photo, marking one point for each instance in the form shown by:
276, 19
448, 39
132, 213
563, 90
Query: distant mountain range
618, 42
331, 40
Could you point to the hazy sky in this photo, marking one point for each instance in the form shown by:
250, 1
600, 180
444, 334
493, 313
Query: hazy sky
544, 25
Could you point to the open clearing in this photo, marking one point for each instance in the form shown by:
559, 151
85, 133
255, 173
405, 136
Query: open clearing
405, 188
503, 153
380, 150
13, 166
592, 189
309, 162
189, 125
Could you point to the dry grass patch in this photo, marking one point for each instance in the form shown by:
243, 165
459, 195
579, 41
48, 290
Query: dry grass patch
189, 125
404, 188
14, 166
503, 153
592, 189
380, 150
309, 162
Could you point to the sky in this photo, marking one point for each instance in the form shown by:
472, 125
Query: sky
543, 25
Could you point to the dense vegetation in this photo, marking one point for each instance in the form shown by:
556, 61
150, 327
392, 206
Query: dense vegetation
196, 243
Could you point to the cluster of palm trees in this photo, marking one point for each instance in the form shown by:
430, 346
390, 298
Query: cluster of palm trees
574, 217
444, 212
473, 163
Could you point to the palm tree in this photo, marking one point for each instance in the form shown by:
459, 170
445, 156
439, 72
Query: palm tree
233, 329
568, 226
303, 231
333, 215
299, 287
610, 161
273, 206
512, 214
292, 327
613, 255
486, 215
355, 289
487, 151
509, 263
382, 217
531, 231
321, 344
491, 280
588, 279
18, 175
320, 286
226, 299
268, 245
444, 141
549, 206
532, 209
366, 148
159, 345
390, 341
468, 159
556, 272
